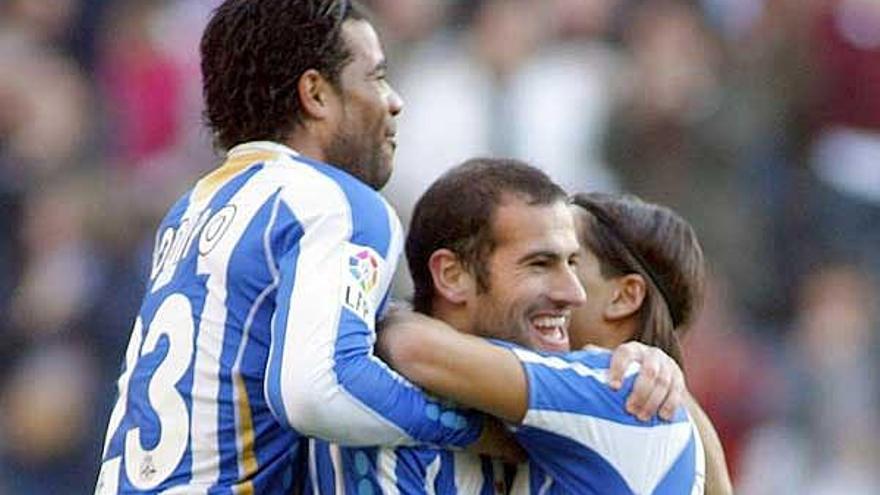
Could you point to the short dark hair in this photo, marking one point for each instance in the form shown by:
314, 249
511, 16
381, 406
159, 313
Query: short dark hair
253, 53
457, 213
629, 235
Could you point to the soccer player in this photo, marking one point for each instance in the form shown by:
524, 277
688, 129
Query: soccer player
643, 269
514, 274
258, 322
479, 189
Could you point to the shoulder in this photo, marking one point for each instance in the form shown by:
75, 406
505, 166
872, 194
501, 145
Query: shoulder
322, 196
591, 363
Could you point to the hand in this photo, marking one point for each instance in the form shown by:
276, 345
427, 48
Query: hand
496, 441
659, 386
401, 315
398, 319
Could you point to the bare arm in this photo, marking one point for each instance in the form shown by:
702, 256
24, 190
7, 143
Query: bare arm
717, 478
490, 378
461, 367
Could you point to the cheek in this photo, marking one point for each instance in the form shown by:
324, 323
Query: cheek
578, 319
588, 312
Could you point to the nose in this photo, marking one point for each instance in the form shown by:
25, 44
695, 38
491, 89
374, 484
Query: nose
395, 102
567, 290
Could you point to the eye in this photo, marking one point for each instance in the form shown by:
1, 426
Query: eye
540, 263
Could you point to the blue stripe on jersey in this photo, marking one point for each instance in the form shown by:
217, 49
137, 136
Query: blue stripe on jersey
577, 429
417, 471
682, 473
321, 477
538, 480
412, 468
574, 467
445, 480
248, 269
369, 217
490, 477
567, 389
367, 380
186, 281
287, 264
372, 384
359, 471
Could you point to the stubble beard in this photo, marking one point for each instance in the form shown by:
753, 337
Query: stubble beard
501, 324
357, 156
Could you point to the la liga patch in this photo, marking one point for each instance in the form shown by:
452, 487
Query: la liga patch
363, 276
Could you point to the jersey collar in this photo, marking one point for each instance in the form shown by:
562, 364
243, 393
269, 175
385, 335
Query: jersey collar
253, 146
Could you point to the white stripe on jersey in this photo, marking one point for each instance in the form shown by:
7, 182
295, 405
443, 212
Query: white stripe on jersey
206, 383
700, 475
601, 375
338, 477
520, 485
206, 372
641, 455
431, 473
395, 246
522, 482
108, 477
468, 473
319, 274
546, 485
386, 476
186, 490
313, 468
244, 424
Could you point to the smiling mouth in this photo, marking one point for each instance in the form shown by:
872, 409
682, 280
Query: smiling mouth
550, 331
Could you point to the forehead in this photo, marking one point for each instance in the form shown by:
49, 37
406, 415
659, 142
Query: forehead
582, 224
580, 216
363, 43
520, 226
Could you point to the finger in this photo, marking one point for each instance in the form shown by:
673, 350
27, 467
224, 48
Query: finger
659, 392
644, 384
676, 396
621, 358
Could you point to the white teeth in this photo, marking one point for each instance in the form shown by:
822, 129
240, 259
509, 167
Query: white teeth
549, 321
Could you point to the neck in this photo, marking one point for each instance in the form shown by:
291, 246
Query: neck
611, 334
306, 144
453, 315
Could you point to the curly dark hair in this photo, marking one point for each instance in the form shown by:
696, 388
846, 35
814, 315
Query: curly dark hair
253, 54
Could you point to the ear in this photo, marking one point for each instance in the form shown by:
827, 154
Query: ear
452, 281
627, 298
315, 93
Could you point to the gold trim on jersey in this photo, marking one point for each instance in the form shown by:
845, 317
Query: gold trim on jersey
235, 164
247, 461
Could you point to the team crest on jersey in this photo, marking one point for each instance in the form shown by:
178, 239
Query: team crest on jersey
364, 265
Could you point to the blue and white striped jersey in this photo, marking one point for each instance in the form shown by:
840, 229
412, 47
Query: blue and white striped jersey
580, 439
257, 328
401, 471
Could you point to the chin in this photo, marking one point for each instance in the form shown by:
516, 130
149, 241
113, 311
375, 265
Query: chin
381, 179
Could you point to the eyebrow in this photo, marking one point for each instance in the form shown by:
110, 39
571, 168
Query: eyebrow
380, 67
539, 254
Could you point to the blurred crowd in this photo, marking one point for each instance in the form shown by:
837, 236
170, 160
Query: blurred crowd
757, 120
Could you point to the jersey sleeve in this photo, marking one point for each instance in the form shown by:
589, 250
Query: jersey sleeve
575, 420
323, 379
575, 383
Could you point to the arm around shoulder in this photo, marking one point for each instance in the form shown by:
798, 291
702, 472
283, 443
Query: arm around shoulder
322, 377
467, 369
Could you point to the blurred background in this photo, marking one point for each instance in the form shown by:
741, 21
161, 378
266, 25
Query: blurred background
757, 120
